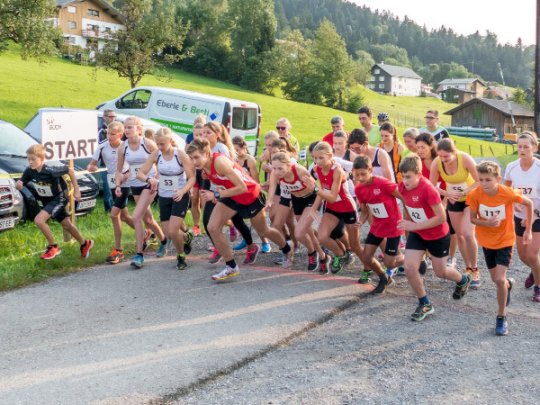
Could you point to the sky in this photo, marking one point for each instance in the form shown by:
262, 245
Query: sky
508, 19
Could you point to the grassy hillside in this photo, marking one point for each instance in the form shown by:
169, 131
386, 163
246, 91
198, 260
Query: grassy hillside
29, 85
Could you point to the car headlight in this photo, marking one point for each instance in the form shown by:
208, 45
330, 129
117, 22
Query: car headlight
17, 196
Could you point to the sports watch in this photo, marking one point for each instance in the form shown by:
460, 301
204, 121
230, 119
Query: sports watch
217, 195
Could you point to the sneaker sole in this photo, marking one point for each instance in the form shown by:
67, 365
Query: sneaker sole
52, 257
432, 310
226, 277
88, 251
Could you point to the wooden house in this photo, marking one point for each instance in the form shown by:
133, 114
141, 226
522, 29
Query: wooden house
394, 80
489, 113
458, 96
471, 84
87, 23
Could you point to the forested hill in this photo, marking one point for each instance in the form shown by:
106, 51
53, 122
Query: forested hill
435, 55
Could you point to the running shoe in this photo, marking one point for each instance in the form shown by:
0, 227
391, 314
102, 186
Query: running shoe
348, 258
279, 259
451, 262
511, 283
137, 261
422, 310
381, 286
324, 265
400, 271
475, 275
461, 289
162, 250
364, 277
251, 254
501, 326
423, 267
147, 235
529, 282
240, 246
51, 252
265, 247
233, 234
313, 262
85, 248
215, 257
287, 260
116, 256
181, 262
196, 230
536, 295
188, 241
390, 272
226, 273
336, 265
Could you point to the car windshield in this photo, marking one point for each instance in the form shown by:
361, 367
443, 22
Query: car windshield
14, 141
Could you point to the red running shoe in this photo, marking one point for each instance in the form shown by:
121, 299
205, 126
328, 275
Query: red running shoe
51, 252
85, 248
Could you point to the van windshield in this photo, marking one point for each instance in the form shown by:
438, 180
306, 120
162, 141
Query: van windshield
14, 141
136, 100
244, 118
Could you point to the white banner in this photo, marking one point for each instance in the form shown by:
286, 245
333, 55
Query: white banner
69, 134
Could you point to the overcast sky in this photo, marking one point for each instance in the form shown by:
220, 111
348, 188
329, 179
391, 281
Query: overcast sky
508, 19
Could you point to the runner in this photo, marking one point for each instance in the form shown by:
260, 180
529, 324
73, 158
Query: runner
458, 171
134, 152
337, 124
176, 178
391, 145
492, 212
239, 195
425, 220
432, 126
378, 195
524, 174
107, 152
51, 190
409, 139
290, 177
195, 197
380, 161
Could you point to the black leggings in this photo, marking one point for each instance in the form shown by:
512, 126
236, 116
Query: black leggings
237, 221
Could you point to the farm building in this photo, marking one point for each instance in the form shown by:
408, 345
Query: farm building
87, 23
489, 113
394, 80
458, 96
475, 85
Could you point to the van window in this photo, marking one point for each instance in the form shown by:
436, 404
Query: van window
137, 99
244, 118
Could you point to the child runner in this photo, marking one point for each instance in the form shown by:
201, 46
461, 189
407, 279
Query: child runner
239, 194
107, 152
379, 195
524, 174
391, 145
458, 171
51, 190
426, 223
134, 152
492, 213
176, 178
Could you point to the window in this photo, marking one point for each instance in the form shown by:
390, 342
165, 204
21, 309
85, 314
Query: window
92, 27
69, 40
372, 78
71, 9
381, 78
376, 71
72, 25
244, 118
135, 100
93, 13
381, 86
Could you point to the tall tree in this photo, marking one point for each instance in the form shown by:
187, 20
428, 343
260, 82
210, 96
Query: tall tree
153, 36
29, 23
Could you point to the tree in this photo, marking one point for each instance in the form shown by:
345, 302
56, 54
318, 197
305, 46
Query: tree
29, 24
153, 36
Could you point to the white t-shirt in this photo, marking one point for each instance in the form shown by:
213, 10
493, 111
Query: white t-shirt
529, 184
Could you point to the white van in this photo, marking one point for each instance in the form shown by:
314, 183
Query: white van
177, 109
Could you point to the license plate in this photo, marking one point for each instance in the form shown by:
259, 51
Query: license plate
7, 223
86, 204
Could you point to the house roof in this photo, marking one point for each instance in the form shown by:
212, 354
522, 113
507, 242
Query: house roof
105, 5
398, 71
456, 82
518, 110
458, 90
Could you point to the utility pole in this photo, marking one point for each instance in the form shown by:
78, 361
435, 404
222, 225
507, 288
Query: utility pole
537, 72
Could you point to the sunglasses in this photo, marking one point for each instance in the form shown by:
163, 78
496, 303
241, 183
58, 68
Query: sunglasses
281, 128
430, 118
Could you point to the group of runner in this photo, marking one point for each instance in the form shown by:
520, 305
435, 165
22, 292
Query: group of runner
423, 200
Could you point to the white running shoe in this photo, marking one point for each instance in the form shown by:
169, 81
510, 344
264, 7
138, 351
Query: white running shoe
451, 262
226, 273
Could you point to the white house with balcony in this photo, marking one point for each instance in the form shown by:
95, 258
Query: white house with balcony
394, 80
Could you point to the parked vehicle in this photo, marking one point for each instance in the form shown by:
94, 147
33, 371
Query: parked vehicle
11, 202
177, 109
13, 145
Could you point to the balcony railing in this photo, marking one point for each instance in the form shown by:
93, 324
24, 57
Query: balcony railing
97, 34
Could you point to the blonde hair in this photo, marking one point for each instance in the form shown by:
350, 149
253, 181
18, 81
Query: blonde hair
136, 121
282, 157
165, 132
200, 119
411, 133
199, 145
529, 135
283, 144
323, 147
285, 122
115, 126
36, 150
488, 167
149, 133
411, 163
222, 136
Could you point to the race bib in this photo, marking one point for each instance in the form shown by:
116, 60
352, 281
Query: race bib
488, 212
378, 210
133, 170
529, 192
283, 192
338, 196
168, 183
43, 190
417, 214
111, 180
457, 187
